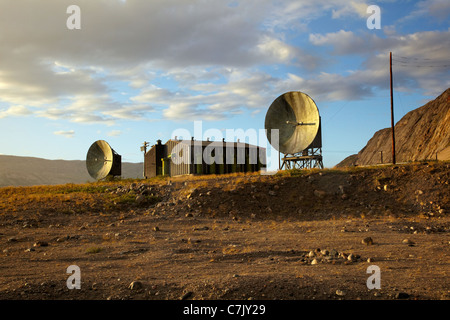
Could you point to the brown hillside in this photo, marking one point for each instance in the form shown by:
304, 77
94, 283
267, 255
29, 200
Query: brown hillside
31, 171
423, 133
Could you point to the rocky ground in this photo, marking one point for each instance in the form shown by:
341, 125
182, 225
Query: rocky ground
316, 234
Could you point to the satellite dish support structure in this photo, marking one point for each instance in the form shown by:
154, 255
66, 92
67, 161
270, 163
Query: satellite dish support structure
309, 158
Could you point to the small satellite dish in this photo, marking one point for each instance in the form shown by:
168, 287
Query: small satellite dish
102, 160
297, 118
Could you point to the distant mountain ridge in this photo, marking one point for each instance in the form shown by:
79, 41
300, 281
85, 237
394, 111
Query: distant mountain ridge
422, 134
30, 171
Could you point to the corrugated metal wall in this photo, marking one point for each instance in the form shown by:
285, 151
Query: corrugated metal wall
204, 157
152, 160
180, 157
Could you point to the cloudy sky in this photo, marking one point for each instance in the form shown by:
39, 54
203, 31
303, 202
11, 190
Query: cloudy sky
141, 70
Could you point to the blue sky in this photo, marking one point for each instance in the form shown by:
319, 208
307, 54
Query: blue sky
139, 70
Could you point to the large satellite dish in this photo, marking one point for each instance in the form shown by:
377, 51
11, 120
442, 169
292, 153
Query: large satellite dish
102, 160
296, 117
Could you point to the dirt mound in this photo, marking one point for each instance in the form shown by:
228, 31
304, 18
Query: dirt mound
420, 188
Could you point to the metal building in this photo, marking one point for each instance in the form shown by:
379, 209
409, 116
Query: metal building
180, 157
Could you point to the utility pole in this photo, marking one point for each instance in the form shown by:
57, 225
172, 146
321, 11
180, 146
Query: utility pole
144, 149
392, 110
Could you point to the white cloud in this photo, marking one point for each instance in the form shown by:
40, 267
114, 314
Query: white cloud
14, 111
241, 89
72, 75
114, 133
189, 59
296, 15
67, 134
414, 57
350, 8
433, 9
132, 112
277, 50
151, 94
437, 8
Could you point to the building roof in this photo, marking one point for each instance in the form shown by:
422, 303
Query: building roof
216, 143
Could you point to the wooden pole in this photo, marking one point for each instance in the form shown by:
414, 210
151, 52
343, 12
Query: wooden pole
279, 160
392, 110
144, 148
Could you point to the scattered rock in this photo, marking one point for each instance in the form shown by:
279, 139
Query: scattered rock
320, 193
272, 193
367, 241
402, 295
187, 295
314, 261
408, 242
156, 229
201, 228
140, 199
340, 293
351, 257
40, 244
135, 285
334, 253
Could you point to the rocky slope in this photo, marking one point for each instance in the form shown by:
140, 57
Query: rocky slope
423, 133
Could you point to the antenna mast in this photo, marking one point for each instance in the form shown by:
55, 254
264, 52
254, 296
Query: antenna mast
392, 110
